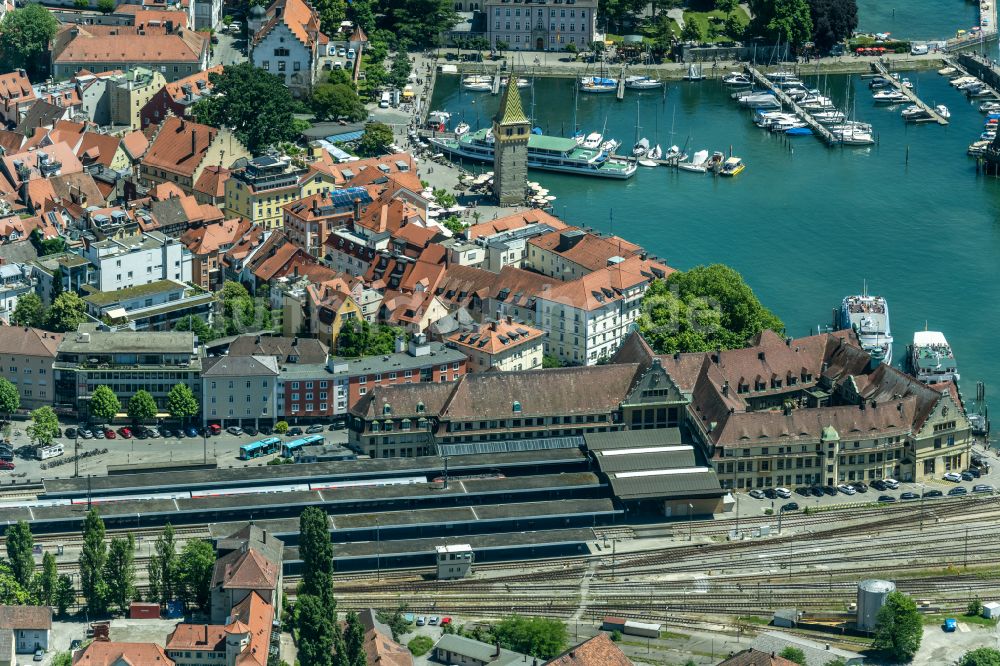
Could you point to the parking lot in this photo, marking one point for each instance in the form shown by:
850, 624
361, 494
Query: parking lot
134, 450
799, 498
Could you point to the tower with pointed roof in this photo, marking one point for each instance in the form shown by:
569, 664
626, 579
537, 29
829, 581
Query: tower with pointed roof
511, 129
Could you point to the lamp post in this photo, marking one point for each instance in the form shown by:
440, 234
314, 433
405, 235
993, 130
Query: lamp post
691, 522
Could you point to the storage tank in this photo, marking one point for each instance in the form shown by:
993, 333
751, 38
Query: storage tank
871, 598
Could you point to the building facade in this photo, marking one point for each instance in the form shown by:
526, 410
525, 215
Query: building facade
152, 257
501, 345
289, 45
543, 25
511, 129
240, 390
128, 93
126, 362
258, 191
26, 356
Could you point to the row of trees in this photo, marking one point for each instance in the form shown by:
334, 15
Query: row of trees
66, 313
186, 575
105, 405
20, 584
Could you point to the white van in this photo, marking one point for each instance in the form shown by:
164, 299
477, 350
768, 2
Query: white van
919, 49
51, 451
385, 101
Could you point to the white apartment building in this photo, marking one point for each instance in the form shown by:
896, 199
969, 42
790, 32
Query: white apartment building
501, 345
240, 390
129, 262
587, 319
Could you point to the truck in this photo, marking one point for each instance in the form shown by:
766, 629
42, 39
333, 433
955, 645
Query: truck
385, 100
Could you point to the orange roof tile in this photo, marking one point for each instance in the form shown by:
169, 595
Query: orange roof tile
207, 637
135, 144
595, 290
106, 44
179, 146
99, 148
15, 87
300, 18
597, 651
515, 221
495, 337
108, 653
149, 16
175, 88
212, 181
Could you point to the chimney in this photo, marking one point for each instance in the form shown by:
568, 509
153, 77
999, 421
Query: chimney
493, 326
357, 209
295, 341
258, 340
510, 320
760, 355
170, 27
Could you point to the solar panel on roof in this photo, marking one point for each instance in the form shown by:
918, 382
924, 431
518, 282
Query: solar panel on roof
482, 343
473, 339
503, 339
522, 331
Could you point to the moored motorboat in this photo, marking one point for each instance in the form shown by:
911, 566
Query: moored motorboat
521, 83
931, 358
598, 84
912, 113
732, 167
694, 72
799, 131
478, 83
947, 71
462, 128
943, 111
828, 117
736, 80
642, 83
889, 97
868, 316
989, 107
698, 162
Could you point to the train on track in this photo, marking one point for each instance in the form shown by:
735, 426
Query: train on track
218, 492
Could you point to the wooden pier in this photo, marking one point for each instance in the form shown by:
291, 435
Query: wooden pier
806, 117
985, 71
879, 65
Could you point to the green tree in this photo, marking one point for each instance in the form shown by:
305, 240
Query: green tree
68, 311
142, 406
20, 543
785, 21
454, 225
361, 12
501, 46
10, 399
255, 104
196, 325
316, 629
93, 558
119, 572
44, 426
181, 402
551, 362
104, 404
570, 48
726, 6
24, 39
194, 568
898, 628
980, 657
399, 75
975, 608
29, 311
833, 21
333, 101
162, 567
692, 31
65, 595
734, 27
375, 140
419, 22
106, 6
316, 552
47, 582
281, 427
63, 659
81, 4
540, 637
12, 593
794, 654
359, 338
701, 310
331, 14
421, 645
354, 639
46, 246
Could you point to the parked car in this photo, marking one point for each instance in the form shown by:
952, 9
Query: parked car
98, 433
982, 488
958, 490
816, 491
71, 433
313, 429
167, 433
110, 434
126, 433
879, 484
265, 430
445, 620
802, 490
84, 433
39, 655
974, 472
950, 624
830, 490
888, 499
966, 476
250, 430
891, 484
350, 54
790, 506
770, 493
235, 430
930, 494
434, 620
214, 428
846, 489
909, 496
191, 431
952, 476
179, 433
860, 486
6, 465
294, 432
421, 621
783, 493
757, 493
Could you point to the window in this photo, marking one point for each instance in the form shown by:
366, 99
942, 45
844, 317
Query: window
281, 65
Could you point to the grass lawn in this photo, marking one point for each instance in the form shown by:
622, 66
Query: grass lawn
937, 619
704, 19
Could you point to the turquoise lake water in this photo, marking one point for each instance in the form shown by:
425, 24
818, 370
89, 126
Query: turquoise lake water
917, 19
805, 224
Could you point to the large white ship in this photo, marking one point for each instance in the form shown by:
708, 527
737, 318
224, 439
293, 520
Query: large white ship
931, 358
869, 317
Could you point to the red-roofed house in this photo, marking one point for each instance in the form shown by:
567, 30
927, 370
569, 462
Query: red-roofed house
207, 244
178, 97
181, 150
500, 345
240, 574
16, 95
243, 641
113, 653
289, 44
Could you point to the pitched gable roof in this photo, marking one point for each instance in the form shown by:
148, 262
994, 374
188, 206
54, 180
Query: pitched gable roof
597, 651
245, 570
113, 653
179, 146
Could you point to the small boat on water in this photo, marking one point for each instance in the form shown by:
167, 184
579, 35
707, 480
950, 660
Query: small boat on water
989, 107
641, 147
760, 101
943, 111
521, 83
698, 162
732, 167
977, 148
674, 152
853, 135
655, 152
906, 83
829, 117
931, 358
869, 317
642, 83
478, 83
879, 82
889, 97
799, 131
947, 71
913, 113
645, 162
462, 128
591, 141
598, 84
780, 76
736, 80
694, 72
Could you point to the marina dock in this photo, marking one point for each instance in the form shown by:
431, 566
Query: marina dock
912, 96
803, 115
972, 64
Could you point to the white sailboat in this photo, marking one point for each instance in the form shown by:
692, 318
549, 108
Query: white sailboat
697, 164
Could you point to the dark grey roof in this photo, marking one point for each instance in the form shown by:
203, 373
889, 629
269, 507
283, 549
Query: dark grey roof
699, 483
401, 361
476, 651
240, 366
628, 439
39, 115
127, 342
511, 445
636, 462
484, 513
21, 252
288, 350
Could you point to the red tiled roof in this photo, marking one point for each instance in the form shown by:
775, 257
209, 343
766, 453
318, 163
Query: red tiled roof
99, 148
515, 221
205, 637
175, 88
16, 87
300, 18
595, 290
380, 649
148, 16
751, 657
245, 570
108, 653
488, 337
598, 651
253, 615
136, 144
212, 181
179, 146
106, 44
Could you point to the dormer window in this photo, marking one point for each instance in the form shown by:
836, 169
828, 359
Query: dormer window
516, 407
386, 409
420, 407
